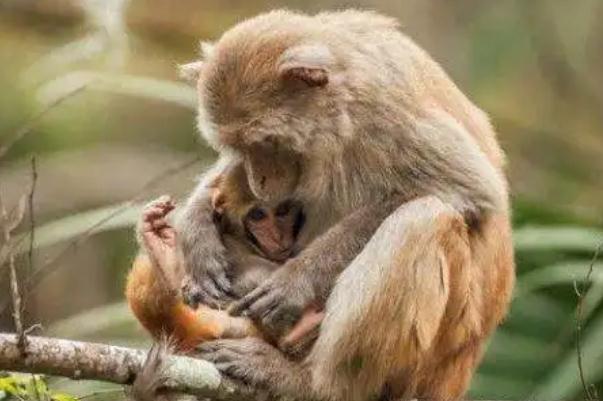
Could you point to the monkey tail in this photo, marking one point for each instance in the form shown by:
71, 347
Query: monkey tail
152, 376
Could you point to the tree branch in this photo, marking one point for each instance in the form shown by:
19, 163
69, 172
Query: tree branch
120, 365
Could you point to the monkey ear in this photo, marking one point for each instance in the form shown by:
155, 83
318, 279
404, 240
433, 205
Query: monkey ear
207, 50
218, 201
190, 71
306, 63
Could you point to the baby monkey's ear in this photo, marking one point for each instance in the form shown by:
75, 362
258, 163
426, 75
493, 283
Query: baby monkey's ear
218, 201
306, 63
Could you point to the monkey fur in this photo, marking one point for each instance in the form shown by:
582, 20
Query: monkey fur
407, 240
153, 289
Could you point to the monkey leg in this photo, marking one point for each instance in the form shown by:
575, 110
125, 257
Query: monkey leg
163, 313
399, 311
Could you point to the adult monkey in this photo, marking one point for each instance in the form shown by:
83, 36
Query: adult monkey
351, 117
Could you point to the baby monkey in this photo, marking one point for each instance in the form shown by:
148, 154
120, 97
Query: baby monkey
259, 237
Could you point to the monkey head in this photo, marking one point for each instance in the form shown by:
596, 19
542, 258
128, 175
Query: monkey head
274, 98
270, 228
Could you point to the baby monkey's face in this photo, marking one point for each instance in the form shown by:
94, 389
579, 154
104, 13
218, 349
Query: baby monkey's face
273, 230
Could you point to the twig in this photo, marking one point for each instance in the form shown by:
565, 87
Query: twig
581, 292
8, 224
120, 365
32, 220
31, 123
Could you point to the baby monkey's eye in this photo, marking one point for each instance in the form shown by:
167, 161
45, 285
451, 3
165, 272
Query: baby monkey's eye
256, 214
283, 209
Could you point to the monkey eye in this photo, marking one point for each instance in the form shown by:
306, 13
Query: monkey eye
256, 214
283, 209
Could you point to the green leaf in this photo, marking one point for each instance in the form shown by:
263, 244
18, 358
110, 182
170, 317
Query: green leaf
488, 386
63, 397
9, 385
36, 385
560, 273
514, 355
538, 315
566, 273
551, 238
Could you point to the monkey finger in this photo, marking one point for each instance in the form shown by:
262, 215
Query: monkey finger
263, 307
233, 371
162, 201
212, 288
221, 282
158, 209
220, 350
149, 215
166, 233
159, 223
168, 204
220, 355
208, 347
208, 296
214, 298
239, 307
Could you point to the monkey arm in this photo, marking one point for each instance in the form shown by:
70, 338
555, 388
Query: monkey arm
205, 255
407, 301
308, 278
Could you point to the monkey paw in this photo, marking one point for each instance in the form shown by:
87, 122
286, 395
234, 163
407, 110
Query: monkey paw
250, 361
195, 294
278, 303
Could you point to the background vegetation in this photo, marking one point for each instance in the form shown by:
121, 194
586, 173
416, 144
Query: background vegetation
92, 86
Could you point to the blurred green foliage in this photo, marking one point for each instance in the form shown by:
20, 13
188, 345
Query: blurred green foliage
29, 387
535, 66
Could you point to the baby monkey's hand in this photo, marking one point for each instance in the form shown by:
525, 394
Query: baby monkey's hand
158, 238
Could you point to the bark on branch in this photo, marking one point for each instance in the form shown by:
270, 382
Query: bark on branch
81, 360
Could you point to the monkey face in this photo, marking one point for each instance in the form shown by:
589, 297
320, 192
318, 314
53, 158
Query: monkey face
273, 231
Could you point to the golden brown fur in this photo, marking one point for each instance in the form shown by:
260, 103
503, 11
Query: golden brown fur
163, 313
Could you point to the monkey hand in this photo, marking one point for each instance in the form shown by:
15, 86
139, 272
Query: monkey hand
279, 302
209, 285
158, 238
